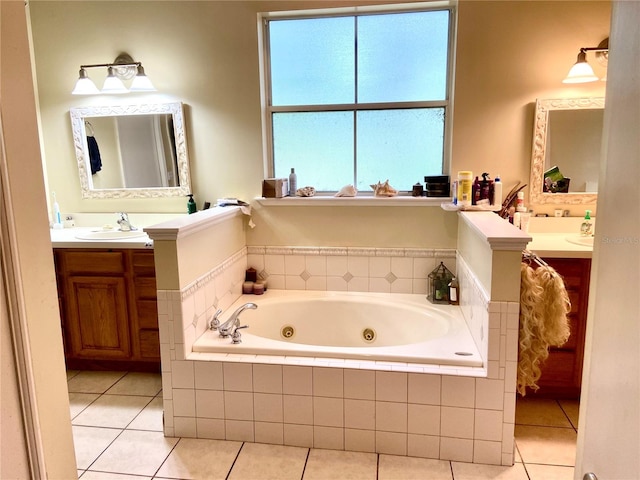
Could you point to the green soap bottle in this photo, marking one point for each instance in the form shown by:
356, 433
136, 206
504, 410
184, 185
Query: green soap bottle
586, 229
191, 204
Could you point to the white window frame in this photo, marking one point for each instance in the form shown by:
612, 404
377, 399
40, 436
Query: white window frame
265, 70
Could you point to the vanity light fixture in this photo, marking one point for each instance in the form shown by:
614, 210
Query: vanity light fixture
122, 68
582, 72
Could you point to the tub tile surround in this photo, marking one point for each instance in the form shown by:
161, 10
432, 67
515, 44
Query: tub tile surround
431, 411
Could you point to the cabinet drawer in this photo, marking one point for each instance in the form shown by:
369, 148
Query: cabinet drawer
149, 344
93, 263
143, 263
147, 313
146, 288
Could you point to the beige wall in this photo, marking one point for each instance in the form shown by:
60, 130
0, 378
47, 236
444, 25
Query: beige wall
205, 54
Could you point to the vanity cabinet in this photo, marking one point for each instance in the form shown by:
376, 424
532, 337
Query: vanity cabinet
562, 371
108, 308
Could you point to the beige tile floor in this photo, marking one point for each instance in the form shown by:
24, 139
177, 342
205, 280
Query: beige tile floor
117, 429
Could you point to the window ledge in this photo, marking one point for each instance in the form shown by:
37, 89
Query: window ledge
323, 201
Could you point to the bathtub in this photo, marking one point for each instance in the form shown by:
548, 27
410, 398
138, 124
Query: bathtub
349, 325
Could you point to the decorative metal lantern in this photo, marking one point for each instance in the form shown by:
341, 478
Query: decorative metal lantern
439, 281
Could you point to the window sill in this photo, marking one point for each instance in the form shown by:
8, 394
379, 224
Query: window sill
330, 201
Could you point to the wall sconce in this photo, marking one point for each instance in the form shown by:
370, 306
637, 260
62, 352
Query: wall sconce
122, 68
581, 72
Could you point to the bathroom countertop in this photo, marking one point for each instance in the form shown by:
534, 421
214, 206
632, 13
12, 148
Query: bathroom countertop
67, 238
556, 245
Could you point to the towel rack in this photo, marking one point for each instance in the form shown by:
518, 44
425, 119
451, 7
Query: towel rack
528, 255
89, 128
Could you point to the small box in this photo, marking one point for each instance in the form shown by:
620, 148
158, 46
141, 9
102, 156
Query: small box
275, 187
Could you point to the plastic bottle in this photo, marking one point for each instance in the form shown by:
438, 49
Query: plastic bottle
586, 227
293, 183
465, 179
520, 203
454, 297
57, 218
191, 204
497, 191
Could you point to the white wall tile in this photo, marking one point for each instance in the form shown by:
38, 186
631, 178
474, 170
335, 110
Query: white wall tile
458, 391
239, 430
337, 266
424, 419
337, 284
276, 282
298, 435
208, 375
508, 434
271, 433
402, 267
489, 394
391, 417
298, 409
379, 267
328, 412
185, 427
238, 405
328, 382
425, 446
267, 378
358, 266
316, 265
294, 282
509, 407
379, 285
316, 284
297, 380
391, 386
487, 452
294, 265
267, 407
209, 404
238, 377
402, 285
360, 414
391, 443
359, 440
184, 402
456, 449
330, 438
212, 428
488, 425
274, 264
424, 389
360, 384
182, 373
358, 284
456, 422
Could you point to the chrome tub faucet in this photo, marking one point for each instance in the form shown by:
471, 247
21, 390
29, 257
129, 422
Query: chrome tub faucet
233, 323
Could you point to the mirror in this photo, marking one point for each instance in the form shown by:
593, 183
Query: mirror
131, 151
566, 134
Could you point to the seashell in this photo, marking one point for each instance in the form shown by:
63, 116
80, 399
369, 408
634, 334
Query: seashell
384, 189
305, 192
347, 191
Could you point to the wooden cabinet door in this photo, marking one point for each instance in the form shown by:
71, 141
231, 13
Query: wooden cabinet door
562, 371
97, 317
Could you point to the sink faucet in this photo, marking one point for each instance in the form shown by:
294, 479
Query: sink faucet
123, 221
227, 328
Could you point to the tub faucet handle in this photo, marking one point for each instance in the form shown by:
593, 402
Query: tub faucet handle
236, 337
214, 323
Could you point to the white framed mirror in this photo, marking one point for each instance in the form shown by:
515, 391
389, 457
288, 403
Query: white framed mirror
131, 151
567, 134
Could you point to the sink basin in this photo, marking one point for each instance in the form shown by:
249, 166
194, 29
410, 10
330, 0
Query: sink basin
579, 240
110, 235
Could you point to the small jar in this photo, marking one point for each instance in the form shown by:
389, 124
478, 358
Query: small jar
247, 287
258, 288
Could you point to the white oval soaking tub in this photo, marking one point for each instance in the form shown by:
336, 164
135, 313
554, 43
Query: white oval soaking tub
349, 325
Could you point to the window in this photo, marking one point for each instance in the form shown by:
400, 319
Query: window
358, 98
